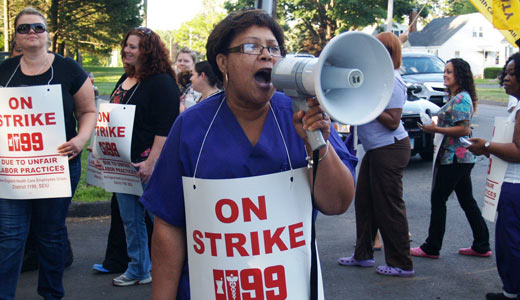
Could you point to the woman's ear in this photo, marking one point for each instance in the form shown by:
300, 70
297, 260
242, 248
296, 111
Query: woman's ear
222, 63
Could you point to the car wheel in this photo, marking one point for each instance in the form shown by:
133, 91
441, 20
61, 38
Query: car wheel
426, 155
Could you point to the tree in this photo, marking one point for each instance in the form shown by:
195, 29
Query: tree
459, 7
195, 32
318, 21
94, 26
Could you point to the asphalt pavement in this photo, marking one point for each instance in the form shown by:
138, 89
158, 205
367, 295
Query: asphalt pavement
452, 277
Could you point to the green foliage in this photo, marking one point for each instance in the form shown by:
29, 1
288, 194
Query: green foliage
92, 26
459, 7
492, 72
315, 22
195, 32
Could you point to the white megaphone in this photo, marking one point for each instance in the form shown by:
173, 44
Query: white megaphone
353, 79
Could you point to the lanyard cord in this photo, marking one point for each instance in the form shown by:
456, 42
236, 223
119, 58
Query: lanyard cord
211, 124
314, 255
131, 95
18, 67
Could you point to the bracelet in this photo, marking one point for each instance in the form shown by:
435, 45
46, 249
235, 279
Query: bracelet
310, 161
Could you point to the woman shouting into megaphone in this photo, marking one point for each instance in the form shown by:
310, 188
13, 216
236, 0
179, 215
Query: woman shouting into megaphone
231, 190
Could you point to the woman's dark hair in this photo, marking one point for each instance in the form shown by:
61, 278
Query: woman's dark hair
153, 55
183, 80
464, 79
516, 59
235, 23
204, 67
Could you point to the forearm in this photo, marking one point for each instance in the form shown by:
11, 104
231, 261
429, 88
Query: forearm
334, 188
506, 151
389, 121
168, 258
455, 131
86, 124
158, 144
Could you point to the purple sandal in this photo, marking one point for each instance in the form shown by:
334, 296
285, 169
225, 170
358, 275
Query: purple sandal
351, 261
393, 271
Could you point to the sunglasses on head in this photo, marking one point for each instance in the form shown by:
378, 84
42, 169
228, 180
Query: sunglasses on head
36, 27
144, 30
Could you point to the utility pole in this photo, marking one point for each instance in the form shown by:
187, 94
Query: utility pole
268, 5
389, 15
6, 28
145, 17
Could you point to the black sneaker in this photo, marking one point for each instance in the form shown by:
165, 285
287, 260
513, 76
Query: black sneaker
497, 296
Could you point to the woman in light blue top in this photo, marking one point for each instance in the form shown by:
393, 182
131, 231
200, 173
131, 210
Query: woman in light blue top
379, 193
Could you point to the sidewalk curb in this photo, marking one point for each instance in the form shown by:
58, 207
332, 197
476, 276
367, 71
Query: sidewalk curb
89, 209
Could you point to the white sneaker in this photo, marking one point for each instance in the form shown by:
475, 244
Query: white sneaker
122, 280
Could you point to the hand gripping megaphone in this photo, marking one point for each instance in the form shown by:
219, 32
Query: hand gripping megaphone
353, 79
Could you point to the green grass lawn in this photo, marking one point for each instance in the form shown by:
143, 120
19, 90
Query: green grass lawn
90, 193
105, 78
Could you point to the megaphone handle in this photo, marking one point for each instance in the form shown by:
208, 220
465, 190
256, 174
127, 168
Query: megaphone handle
315, 137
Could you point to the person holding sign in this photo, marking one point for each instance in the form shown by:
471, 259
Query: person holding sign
454, 164
507, 230
37, 67
149, 84
231, 190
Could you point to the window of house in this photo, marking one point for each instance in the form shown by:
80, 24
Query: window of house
457, 54
480, 32
474, 32
497, 58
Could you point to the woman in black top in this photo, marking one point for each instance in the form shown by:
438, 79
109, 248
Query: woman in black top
149, 84
38, 67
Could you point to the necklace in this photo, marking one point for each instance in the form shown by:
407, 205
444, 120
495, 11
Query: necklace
41, 68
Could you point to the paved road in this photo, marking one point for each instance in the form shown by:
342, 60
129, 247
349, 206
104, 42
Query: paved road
452, 277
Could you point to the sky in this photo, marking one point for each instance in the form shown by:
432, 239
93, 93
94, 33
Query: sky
170, 14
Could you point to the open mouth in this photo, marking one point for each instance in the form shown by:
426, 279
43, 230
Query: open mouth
263, 76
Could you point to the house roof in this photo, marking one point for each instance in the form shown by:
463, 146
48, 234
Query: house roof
438, 31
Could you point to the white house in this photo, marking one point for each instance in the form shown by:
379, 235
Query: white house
471, 37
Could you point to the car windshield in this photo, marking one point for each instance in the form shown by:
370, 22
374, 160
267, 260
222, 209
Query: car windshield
419, 65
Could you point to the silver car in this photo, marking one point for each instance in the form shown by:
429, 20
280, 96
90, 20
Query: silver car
424, 72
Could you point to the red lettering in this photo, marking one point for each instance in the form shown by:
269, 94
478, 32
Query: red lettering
121, 131
251, 280
271, 240
50, 118
35, 119
235, 241
199, 247
255, 245
233, 207
293, 235
275, 280
260, 211
17, 120
26, 103
104, 116
212, 239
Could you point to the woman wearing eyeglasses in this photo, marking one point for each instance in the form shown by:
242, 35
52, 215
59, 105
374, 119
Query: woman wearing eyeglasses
251, 224
37, 67
149, 84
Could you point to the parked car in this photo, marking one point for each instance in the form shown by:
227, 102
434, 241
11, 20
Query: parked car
420, 141
424, 73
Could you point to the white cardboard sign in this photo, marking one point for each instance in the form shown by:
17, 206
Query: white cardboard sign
109, 164
502, 133
32, 126
249, 238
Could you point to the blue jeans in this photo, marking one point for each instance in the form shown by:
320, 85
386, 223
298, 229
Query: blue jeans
132, 213
51, 235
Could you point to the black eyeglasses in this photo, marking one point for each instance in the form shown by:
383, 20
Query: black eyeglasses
256, 49
36, 27
144, 30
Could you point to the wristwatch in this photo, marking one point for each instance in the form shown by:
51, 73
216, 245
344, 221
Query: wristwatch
486, 145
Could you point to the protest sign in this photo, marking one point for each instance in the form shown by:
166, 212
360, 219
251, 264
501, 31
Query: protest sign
32, 126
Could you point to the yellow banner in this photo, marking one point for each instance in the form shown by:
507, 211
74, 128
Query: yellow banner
485, 7
506, 14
